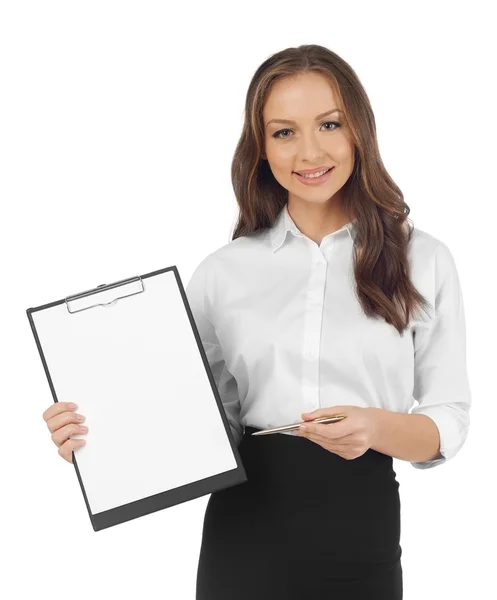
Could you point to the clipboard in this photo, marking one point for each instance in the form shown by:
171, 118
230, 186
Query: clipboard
129, 354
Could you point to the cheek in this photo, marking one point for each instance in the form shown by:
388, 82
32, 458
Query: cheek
345, 161
345, 153
341, 150
281, 167
282, 174
279, 153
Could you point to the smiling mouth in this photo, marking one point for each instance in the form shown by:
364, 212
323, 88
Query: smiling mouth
313, 175
314, 170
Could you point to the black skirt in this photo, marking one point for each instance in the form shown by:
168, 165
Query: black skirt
307, 524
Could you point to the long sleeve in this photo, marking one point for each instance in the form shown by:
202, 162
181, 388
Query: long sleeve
440, 380
225, 382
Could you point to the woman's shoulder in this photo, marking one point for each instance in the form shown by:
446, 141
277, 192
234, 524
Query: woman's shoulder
422, 241
426, 250
432, 264
246, 248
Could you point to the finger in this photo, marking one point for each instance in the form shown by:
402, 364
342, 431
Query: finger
319, 439
56, 408
327, 411
67, 448
349, 452
336, 431
330, 430
63, 419
60, 436
325, 444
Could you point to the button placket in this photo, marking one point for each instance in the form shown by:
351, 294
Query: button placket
312, 334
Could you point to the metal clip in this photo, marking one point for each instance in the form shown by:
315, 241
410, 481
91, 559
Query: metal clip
103, 287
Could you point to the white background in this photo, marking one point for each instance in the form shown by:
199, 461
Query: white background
118, 125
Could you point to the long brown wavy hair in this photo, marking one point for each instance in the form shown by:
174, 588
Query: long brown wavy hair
381, 269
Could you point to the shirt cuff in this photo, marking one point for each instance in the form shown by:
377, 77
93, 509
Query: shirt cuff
451, 436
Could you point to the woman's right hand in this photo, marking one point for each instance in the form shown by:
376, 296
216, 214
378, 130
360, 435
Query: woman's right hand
63, 422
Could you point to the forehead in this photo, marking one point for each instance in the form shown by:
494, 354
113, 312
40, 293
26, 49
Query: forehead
301, 96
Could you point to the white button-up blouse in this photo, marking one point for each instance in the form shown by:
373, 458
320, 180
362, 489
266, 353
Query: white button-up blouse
285, 334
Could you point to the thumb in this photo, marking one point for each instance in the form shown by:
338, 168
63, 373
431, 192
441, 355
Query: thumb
309, 416
324, 412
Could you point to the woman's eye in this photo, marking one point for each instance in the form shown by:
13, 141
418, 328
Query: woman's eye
278, 133
336, 123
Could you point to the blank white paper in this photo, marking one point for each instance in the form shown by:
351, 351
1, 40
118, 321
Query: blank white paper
135, 370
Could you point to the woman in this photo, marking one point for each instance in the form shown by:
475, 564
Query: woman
309, 312
325, 302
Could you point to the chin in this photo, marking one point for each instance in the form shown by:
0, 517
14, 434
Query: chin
315, 194
315, 200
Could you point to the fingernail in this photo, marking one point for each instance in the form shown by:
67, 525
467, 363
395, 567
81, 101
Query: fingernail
72, 405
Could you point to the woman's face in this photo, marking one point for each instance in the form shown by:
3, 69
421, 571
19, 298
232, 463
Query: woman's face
306, 142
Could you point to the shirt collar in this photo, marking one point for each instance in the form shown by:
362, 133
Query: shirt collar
284, 223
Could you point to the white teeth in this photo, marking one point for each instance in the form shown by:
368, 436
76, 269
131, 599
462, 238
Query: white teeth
314, 175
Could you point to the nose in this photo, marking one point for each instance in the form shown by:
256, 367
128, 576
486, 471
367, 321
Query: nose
310, 149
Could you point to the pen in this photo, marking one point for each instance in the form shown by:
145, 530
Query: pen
331, 419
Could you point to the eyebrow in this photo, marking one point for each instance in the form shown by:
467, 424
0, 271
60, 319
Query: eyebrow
288, 122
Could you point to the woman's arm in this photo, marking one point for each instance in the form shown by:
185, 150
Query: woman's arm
441, 384
414, 438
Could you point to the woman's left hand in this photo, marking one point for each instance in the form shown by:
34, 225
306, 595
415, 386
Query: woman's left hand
350, 437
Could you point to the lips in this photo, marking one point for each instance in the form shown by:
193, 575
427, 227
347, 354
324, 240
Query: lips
314, 180
312, 171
